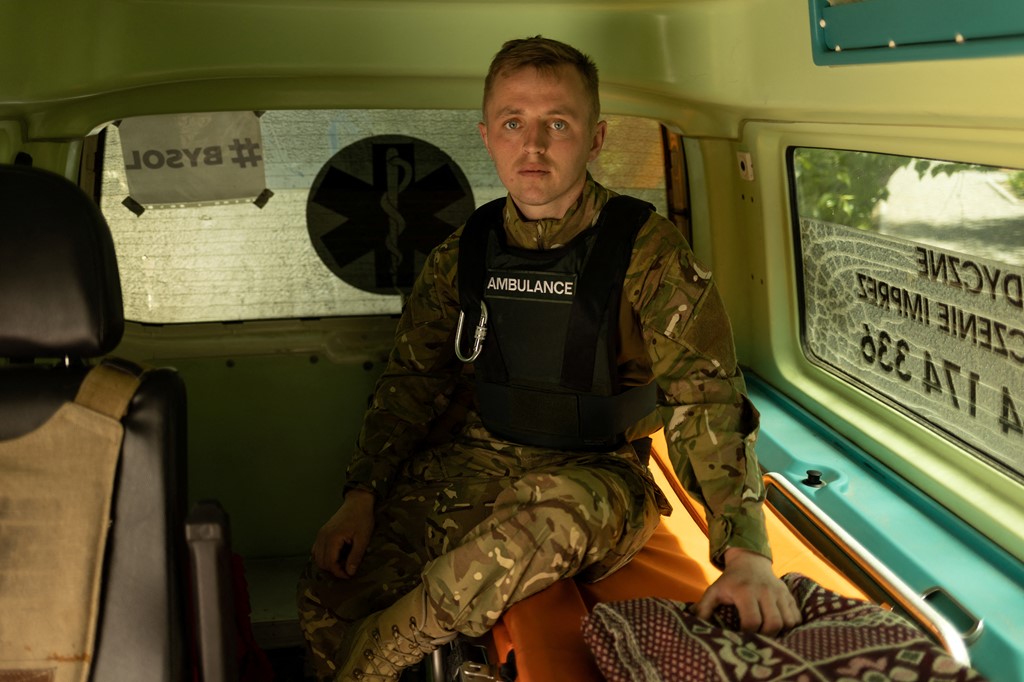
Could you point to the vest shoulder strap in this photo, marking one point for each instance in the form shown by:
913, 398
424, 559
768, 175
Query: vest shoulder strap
472, 250
600, 287
626, 212
73, 459
109, 386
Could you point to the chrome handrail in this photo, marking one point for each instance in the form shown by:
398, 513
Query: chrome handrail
904, 596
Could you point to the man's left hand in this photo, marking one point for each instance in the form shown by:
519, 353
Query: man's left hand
764, 603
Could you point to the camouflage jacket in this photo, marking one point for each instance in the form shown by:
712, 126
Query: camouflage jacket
674, 328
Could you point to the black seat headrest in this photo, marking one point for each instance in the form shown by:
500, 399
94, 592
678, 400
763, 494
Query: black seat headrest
60, 293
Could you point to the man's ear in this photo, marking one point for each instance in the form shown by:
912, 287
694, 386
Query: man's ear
482, 127
597, 143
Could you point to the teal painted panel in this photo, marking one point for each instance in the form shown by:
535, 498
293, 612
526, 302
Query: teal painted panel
916, 538
913, 30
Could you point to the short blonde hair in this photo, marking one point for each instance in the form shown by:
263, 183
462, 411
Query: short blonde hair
543, 54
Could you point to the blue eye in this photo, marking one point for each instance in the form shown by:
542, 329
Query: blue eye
559, 125
511, 125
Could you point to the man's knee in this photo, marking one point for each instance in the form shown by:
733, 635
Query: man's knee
588, 515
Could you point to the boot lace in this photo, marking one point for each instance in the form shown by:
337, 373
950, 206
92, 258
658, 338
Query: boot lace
381, 663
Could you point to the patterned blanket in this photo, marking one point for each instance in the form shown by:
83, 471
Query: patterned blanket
658, 640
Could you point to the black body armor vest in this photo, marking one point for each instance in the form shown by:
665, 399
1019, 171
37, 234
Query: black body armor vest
546, 373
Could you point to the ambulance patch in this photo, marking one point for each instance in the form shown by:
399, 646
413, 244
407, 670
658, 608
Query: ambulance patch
519, 284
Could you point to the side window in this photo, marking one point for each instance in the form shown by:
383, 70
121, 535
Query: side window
913, 288
304, 214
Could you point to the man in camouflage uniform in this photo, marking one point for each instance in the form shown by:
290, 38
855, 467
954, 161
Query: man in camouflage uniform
444, 525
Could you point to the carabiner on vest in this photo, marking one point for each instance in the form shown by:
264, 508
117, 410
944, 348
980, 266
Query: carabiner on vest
478, 335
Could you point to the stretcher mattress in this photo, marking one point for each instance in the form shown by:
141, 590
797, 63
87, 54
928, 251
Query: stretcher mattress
545, 629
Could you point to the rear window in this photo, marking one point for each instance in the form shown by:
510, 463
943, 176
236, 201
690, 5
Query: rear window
913, 288
306, 214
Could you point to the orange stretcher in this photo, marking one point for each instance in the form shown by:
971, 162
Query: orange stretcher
545, 630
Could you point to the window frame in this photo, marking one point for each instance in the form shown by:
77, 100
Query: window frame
654, 160
810, 354
985, 497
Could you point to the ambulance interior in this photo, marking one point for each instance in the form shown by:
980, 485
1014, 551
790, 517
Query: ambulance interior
239, 153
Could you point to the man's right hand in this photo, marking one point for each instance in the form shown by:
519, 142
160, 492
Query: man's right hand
342, 541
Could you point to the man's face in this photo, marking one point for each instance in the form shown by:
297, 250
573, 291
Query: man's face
539, 131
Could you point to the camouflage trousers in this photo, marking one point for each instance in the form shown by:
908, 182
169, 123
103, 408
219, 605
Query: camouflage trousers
482, 530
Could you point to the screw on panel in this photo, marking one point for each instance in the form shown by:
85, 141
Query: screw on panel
745, 164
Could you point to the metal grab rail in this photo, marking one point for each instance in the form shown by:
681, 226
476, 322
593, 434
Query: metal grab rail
902, 594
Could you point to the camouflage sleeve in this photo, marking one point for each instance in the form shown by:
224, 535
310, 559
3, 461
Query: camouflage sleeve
710, 425
415, 386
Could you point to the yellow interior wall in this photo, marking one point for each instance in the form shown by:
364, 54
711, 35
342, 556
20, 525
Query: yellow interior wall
705, 65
